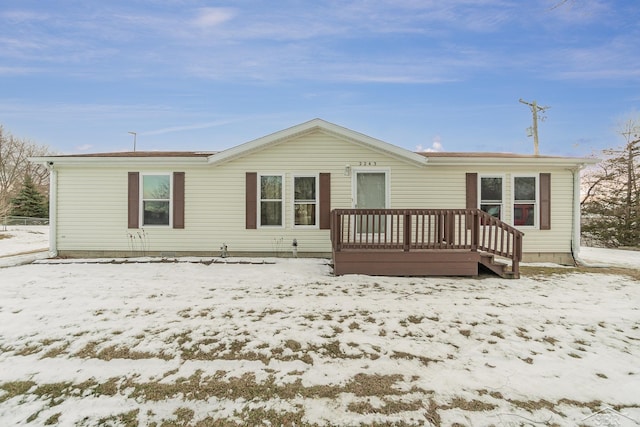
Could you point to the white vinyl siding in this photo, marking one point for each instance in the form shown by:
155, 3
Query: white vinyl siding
92, 202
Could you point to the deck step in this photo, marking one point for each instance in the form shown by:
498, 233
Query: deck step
488, 260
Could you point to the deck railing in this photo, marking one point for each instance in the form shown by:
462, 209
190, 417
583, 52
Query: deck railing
425, 229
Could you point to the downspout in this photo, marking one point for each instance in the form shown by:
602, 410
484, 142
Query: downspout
53, 209
575, 227
575, 224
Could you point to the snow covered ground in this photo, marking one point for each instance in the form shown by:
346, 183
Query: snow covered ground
286, 343
19, 239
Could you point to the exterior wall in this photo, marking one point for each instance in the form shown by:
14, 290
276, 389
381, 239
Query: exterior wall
92, 201
449, 191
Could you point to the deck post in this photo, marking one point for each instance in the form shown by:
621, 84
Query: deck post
406, 239
449, 227
517, 254
475, 230
336, 230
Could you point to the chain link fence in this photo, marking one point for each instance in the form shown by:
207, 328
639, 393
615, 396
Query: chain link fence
21, 220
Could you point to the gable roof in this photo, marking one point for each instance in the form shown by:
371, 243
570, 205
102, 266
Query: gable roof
314, 126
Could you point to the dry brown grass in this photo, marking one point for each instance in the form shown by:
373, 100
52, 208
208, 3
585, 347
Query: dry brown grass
534, 272
199, 387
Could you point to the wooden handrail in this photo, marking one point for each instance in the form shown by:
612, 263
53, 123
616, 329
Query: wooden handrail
421, 229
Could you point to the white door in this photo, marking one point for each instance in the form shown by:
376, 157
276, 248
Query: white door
371, 193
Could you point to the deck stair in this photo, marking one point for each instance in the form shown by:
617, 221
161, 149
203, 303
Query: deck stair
499, 268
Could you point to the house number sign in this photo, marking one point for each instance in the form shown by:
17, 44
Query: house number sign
366, 163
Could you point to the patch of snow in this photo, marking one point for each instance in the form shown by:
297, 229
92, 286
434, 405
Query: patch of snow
611, 257
20, 239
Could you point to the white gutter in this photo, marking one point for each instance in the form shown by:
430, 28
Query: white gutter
119, 161
575, 237
53, 209
570, 162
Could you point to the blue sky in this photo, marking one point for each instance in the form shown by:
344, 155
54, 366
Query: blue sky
421, 74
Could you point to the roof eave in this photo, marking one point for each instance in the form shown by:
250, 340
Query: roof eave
520, 161
115, 161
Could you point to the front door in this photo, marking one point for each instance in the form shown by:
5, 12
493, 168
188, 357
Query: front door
371, 193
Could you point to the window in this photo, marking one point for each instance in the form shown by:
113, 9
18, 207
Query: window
491, 195
271, 200
525, 200
156, 199
305, 200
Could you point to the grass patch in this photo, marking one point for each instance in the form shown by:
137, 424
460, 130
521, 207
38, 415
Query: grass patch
497, 334
15, 388
53, 419
531, 271
415, 319
389, 408
29, 350
56, 351
293, 345
469, 405
402, 355
127, 419
90, 351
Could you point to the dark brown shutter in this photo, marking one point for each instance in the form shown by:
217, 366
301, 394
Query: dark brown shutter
545, 201
178, 200
251, 204
471, 194
472, 190
134, 199
325, 201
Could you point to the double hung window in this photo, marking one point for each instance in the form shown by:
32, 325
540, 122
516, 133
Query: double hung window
271, 200
305, 200
525, 201
491, 193
156, 199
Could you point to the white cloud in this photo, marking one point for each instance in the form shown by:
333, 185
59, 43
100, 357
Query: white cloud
195, 126
84, 147
209, 17
436, 146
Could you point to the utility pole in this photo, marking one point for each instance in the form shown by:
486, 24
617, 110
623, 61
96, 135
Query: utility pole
535, 108
135, 136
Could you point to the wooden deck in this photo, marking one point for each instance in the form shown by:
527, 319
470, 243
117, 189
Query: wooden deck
422, 242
